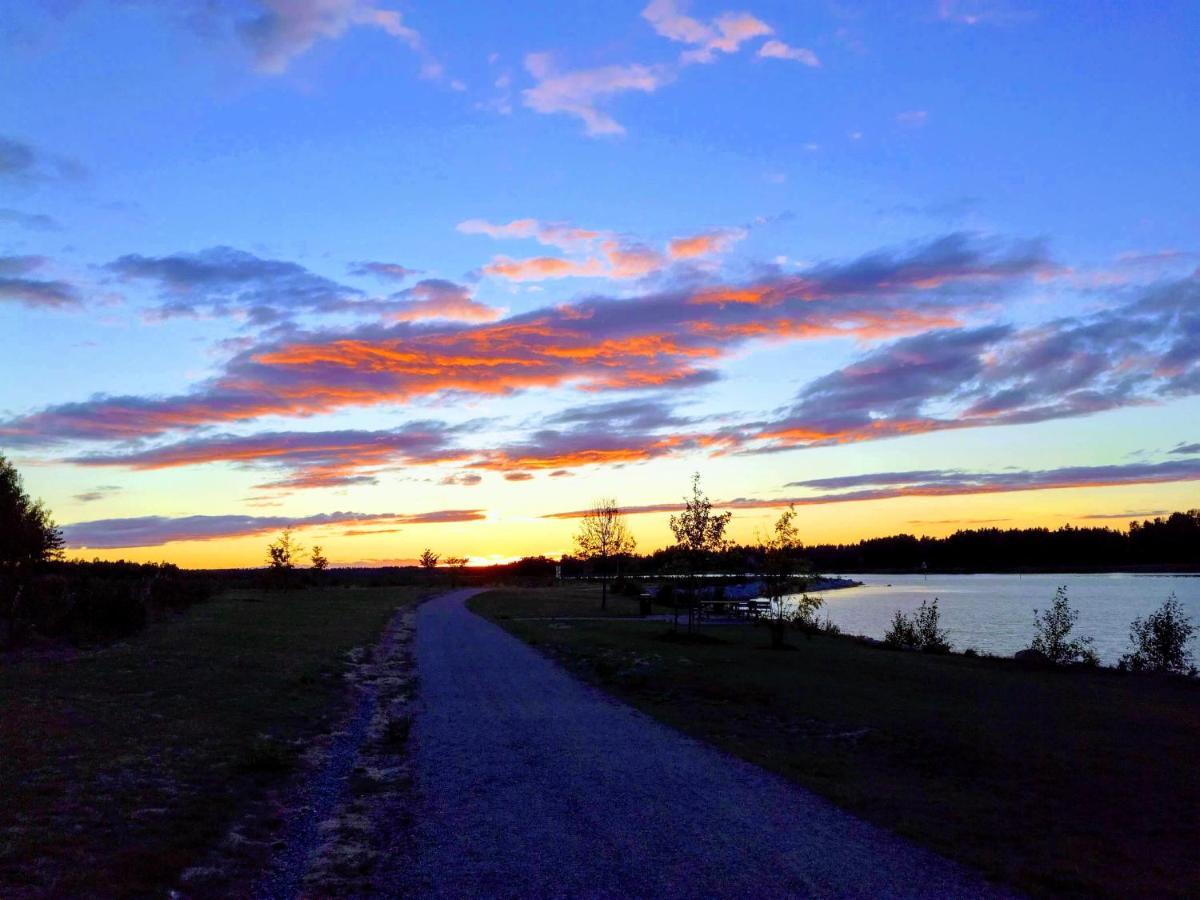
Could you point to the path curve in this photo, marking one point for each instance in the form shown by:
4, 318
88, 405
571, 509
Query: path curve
534, 784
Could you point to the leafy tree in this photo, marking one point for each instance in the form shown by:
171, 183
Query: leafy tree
429, 559
28, 537
603, 536
783, 575
1160, 641
699, 533
1052, 629
282, 556
319, 562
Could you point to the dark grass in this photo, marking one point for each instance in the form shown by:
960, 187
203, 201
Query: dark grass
579, 600
122, 766
1073, 782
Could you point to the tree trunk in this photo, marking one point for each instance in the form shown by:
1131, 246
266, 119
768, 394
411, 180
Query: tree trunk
604, 592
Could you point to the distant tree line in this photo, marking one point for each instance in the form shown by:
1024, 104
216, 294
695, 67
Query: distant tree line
1172, 542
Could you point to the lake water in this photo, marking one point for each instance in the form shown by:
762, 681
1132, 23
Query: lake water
994, 613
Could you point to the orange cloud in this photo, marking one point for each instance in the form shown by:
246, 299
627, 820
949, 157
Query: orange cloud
703, 244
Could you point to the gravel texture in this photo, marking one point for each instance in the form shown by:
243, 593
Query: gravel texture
532, 784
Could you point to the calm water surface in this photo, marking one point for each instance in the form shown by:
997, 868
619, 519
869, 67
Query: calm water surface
994, 613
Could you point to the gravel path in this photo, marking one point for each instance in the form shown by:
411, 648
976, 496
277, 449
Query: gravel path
536, 785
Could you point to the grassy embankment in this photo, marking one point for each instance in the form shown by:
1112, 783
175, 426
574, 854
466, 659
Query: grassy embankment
121, 766
1056, 782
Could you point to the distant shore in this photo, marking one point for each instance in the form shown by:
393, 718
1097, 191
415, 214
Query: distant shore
1181, 570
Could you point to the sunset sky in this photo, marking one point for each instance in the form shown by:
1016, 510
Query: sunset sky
409, 274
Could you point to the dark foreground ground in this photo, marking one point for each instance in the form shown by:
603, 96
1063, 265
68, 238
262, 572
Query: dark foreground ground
1056, 782
123, 767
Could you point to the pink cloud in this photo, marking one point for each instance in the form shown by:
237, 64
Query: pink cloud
724, 34
779, 50
578, 93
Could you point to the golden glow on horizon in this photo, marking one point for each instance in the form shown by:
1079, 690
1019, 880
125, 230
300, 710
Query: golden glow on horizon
501, 538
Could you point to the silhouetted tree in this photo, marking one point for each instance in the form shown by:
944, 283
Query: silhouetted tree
429, 559
28, 537
1052, 629
319, 562
699, 533
602, 537
282, 555
783, 571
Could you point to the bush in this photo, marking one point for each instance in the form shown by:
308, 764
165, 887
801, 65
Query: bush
1052, 628
1160, 641
100, 601
921, 631
901, 633
804, 616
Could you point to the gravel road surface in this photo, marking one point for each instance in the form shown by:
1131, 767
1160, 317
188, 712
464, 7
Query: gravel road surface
533, 784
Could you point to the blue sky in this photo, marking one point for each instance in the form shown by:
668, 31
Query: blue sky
189, 191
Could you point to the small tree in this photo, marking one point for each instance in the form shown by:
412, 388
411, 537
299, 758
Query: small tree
783, 575
1052, 629
319, 562
1160, 641
699, 533
429, 560
602, 537
28, 537
920, 631
282, 556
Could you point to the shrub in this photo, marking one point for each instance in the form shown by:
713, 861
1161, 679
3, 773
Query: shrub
901, 632
828, 627
921, 631
1052, 629
804, 616
1160, 641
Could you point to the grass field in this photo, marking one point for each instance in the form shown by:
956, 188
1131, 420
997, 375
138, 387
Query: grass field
121, 766
577, 600
1056, 782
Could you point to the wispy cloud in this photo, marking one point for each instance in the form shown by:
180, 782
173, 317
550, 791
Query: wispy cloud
155, 531
896, 485
983, 12
23, 162
280, 31
597, 253
581, 92
35, 293
386, 270
780, 50
223, 281
30, 221
307, 459
724, 34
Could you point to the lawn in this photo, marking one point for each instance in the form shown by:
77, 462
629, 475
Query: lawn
121, 766
1056, 782
578, 600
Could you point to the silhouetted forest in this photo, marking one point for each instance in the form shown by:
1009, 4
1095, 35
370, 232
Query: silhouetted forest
1161, 543
1171, 542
